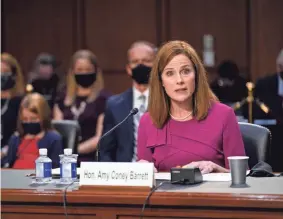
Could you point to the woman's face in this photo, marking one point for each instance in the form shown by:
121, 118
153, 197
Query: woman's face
29, 117
178, 79
8, 78
5, 68
83, 66
85, 74
45, 71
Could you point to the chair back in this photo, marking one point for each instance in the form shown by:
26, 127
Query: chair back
257, 141
70, 132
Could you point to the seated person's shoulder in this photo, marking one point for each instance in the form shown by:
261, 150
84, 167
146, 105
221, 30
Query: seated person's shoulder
54, 135
220, 109
14, 136
147, 121
116, 99
16, 101
266, 80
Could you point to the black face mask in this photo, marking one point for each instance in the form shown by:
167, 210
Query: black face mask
32, 128
85, 80
141, 74
7, 81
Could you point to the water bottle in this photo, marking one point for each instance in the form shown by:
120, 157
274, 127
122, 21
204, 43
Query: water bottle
43, 166
68, 166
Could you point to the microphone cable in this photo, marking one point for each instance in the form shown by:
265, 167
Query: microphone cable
151, 193
65, 199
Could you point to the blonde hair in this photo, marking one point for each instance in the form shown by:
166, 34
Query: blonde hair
19, 88
37, 104
159, 101
97, 86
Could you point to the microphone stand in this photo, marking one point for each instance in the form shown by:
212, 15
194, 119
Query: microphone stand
250, 100
132, 112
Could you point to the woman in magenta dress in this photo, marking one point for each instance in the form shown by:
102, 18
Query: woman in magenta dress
185, 124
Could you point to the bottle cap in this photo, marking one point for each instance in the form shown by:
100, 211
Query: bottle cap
43, 151
68, 151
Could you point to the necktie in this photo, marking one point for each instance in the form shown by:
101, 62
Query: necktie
142, 110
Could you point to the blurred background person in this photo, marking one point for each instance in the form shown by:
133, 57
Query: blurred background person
12, 89
44, 78
84, 101
120, 145
230, 87
34, 131
270, 91
184, 123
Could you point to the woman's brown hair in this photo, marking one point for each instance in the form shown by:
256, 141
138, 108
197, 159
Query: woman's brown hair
37, 104
71, 82
159, 101
19, 87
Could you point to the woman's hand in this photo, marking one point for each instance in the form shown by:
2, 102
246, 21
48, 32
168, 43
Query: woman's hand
207, 167
145, 161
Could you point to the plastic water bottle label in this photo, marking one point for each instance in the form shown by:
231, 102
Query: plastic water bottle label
47, 169
43, 170
39, 170
68, 170
74, 170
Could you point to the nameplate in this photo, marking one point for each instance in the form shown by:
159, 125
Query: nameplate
116, 174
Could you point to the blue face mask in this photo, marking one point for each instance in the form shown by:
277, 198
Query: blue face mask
32, 128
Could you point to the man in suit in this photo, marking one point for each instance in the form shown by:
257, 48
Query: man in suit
120, 145
270, 91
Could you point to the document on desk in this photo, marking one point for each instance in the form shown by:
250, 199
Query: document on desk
211, 177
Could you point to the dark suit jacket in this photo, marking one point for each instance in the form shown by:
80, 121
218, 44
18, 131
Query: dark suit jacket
119, 145
267, 91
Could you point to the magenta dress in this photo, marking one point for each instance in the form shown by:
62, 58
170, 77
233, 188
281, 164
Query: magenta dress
179, 143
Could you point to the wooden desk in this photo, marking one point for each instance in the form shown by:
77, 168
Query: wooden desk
124, 203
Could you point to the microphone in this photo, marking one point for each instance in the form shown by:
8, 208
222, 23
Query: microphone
134, 111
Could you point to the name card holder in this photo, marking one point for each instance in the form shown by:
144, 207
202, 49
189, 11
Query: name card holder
117, 177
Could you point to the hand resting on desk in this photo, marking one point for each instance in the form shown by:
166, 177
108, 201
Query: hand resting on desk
145, 161
207, 167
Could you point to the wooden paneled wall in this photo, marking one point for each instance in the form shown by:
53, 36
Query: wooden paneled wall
250, 32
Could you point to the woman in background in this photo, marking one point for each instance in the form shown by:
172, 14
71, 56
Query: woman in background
84, 101
12, 89
185, 124
34, 132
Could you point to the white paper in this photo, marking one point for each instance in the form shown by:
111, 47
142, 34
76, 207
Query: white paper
56, 171
209, 177
162, 176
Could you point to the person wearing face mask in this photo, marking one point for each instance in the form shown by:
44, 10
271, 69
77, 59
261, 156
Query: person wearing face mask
34, 131
12, 89
120, 145
270, 91
44, 79
84, 101
185, 124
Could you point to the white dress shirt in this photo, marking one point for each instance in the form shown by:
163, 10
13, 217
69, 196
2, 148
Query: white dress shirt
280, 86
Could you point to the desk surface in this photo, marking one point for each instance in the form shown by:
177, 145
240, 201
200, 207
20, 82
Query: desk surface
262, 193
